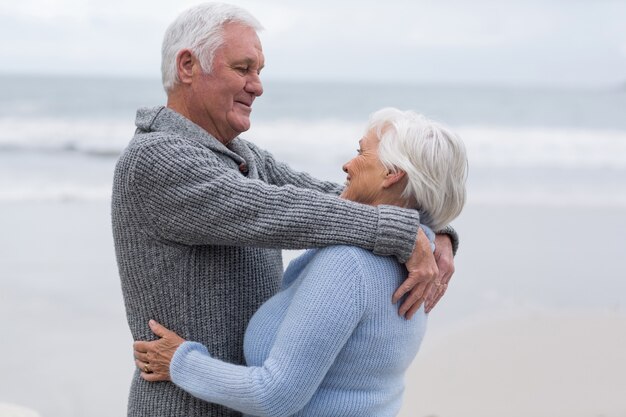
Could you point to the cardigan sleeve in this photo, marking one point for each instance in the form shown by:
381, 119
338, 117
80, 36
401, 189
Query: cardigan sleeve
329, 302
190, 198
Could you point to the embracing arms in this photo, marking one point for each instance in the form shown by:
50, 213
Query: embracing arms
326, 307
189, 196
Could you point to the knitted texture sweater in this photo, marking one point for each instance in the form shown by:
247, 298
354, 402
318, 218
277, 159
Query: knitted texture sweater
197, 241
328, 344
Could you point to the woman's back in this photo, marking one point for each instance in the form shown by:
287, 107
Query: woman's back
333, 322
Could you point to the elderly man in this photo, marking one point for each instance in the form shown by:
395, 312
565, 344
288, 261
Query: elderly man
200, 215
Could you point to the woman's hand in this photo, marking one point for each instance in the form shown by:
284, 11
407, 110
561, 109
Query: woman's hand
153, 358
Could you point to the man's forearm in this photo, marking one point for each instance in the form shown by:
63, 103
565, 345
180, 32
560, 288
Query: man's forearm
198, 202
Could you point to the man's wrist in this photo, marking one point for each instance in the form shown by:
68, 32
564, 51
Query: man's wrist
453, 235
397, 231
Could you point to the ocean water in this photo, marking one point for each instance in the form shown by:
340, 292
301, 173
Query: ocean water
59, 137
542, 231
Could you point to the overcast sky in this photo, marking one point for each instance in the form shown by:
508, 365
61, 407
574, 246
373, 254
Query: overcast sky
564, 42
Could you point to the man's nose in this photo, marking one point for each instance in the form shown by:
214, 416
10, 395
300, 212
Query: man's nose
254, 85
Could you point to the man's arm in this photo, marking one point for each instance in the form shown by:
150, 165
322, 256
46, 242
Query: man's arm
190, 197
280, 173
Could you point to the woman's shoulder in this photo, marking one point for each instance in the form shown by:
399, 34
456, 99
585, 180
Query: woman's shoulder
352, 254
360, 264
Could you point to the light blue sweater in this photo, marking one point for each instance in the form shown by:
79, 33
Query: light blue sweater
330, 343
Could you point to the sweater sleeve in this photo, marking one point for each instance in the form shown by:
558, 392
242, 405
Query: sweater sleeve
190, 197
326, 308
453, 235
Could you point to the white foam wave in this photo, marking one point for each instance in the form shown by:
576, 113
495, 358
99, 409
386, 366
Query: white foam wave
502, 198
55, 192
90, 136
334, 141
542, 147
487, 146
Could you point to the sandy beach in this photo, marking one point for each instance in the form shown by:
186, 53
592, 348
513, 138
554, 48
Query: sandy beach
543, 364
533, 324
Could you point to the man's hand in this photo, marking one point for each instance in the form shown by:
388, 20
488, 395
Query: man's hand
153, 358
422, 274
445, 263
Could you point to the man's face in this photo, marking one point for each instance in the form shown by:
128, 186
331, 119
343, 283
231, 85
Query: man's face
223, 99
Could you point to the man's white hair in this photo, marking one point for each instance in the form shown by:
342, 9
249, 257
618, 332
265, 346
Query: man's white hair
433, 158
199, 29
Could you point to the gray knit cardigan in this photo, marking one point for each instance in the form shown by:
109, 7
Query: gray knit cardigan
198, 228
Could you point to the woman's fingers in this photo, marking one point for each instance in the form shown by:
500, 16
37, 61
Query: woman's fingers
158, 329
142, 356
152, 372
141, 365
141, 346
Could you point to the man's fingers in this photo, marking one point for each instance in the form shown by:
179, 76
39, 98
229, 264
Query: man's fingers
415, 297
409, 314
430, 304
406, 286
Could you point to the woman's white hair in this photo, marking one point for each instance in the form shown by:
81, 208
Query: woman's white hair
433, 158
200, 29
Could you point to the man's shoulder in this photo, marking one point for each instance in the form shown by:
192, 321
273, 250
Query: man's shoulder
143, 140
146, 145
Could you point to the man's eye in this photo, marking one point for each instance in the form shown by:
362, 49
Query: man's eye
358, 151
243, 70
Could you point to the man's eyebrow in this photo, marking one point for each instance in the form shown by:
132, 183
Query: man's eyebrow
248, 61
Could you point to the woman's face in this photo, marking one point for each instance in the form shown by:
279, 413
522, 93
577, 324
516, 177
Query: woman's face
366, 173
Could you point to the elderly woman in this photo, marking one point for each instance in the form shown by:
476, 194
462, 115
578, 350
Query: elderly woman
330, 342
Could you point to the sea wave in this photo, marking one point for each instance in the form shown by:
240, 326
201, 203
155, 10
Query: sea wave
487, 146
55, 193
47, 134
333, 141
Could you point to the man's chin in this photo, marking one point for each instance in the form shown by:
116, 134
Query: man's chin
240, 124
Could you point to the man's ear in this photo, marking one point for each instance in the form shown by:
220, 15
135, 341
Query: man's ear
185, 62
392, 178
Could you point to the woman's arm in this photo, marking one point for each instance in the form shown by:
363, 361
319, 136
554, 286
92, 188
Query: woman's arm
326, 308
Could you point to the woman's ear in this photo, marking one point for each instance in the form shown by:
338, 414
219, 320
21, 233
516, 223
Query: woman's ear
392, 178
184, 65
